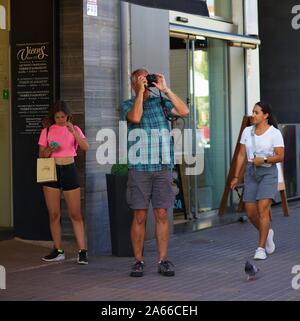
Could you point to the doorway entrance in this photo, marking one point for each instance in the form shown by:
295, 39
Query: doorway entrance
199, 75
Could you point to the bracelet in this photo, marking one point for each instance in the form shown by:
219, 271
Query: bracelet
236, 177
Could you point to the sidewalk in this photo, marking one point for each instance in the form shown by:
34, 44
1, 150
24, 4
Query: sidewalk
209, 266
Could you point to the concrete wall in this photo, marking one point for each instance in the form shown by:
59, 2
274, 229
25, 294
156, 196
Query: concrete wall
101, 94
150, 39
89, 83
237, 77
71, 83
252, 56
244, 67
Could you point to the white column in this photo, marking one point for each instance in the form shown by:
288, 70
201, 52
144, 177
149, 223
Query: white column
252, 56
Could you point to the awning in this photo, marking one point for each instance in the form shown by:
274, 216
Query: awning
197, 7
233, 38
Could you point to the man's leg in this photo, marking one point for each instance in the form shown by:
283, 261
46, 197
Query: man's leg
138, 232
162, 199
162, 232
139, 187
165, 267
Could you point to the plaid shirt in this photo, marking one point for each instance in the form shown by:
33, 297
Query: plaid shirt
156, 152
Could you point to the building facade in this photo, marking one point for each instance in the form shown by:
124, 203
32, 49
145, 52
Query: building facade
279, 31
83, 52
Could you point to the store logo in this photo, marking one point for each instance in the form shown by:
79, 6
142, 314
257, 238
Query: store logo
2, 278
296, 278
296, 19
30, 53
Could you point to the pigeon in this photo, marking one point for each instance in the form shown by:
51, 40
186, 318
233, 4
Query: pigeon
251, 270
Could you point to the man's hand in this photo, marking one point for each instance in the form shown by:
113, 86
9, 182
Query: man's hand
161, 83
141, 84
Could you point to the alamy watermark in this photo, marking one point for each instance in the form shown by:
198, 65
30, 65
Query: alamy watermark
2, 278
146, 147
295, 22
296, 279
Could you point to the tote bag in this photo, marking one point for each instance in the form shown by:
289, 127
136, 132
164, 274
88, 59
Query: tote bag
46, 170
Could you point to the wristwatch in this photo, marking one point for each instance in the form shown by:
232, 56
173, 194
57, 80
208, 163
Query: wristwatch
265, 160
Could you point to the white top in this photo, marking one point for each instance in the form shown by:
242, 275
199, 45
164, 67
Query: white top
264, 143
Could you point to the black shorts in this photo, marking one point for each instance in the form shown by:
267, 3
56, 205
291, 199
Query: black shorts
67, 178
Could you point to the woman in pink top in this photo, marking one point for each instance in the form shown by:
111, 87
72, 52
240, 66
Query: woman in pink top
60, 141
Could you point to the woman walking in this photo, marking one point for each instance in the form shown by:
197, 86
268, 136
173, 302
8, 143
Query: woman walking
262, 145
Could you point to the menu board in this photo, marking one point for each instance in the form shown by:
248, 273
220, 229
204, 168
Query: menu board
32, 85
34, 88
179, 205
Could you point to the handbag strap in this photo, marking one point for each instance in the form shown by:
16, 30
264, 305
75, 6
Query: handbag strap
253, 139
75, 142
253, 145
47, 131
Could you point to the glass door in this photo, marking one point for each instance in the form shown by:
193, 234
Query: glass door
198, 68
5, 169
211, 114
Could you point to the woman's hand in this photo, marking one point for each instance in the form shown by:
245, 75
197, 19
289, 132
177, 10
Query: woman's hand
71, 128
258, 161
53, 148
45, 152
234, 182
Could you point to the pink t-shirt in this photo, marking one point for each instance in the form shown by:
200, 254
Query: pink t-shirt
63, 137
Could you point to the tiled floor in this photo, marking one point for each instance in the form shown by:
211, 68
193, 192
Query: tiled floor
209, 266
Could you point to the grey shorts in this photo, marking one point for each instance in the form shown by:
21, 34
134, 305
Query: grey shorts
261, 183
145, 186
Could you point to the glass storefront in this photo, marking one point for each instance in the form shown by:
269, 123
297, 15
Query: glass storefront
198, 71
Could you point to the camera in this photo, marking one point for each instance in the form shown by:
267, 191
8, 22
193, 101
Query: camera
151, 78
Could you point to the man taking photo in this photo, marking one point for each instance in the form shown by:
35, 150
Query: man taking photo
148, 179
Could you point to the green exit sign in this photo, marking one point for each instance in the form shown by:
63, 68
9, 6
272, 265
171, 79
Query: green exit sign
5, 94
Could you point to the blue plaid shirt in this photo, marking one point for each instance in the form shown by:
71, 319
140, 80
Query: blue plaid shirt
155, 151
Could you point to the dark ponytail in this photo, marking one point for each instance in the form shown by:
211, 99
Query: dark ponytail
267, 109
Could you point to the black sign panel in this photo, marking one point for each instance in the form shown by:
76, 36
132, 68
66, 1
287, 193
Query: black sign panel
33, 85
33, 91
179, 205
198, 7
279, 31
